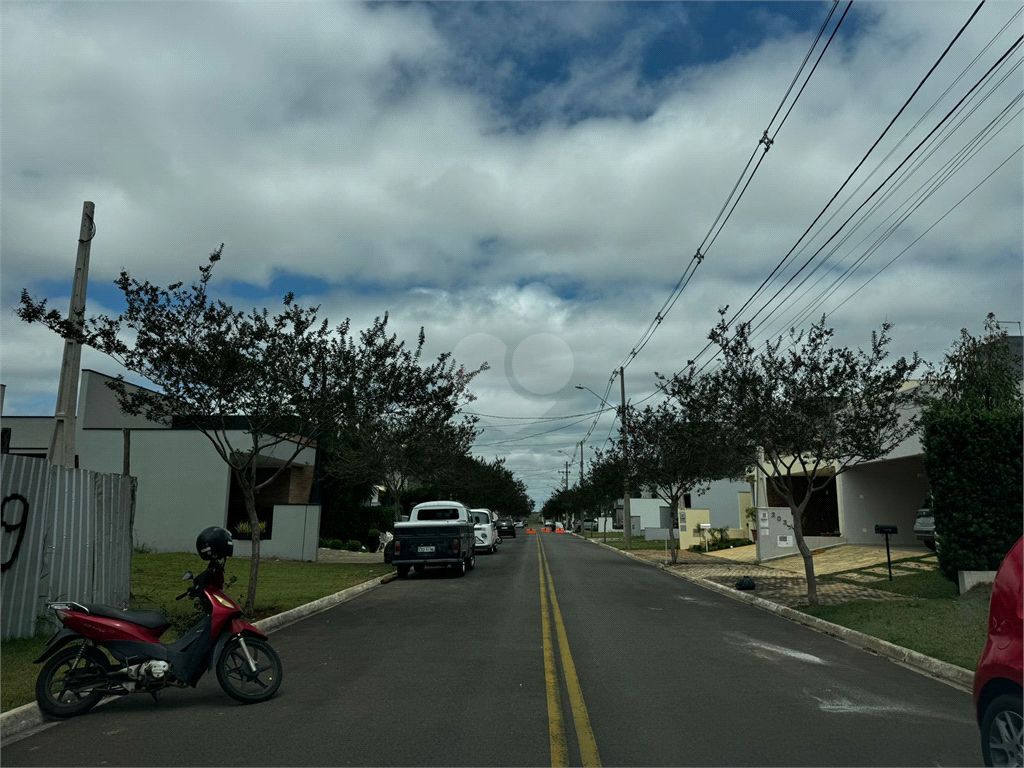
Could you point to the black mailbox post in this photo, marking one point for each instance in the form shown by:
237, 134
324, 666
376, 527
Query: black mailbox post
887, 531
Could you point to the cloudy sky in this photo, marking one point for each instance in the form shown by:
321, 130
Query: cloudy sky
527, 181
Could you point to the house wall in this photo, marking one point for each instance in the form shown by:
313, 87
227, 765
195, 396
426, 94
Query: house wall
722, 501
883, 493
296, 530
775, 536
184, 485
29, 434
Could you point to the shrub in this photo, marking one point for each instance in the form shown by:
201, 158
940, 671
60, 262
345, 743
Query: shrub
337, 544
353, 545
973, 462
373, 533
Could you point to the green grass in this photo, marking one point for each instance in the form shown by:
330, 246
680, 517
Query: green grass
156, 581
936, 621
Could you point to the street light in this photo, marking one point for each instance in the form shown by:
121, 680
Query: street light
627, 520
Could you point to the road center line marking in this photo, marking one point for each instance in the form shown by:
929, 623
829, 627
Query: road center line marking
556, 726
581, 718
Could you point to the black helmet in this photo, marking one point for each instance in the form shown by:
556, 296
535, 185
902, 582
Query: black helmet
214, 543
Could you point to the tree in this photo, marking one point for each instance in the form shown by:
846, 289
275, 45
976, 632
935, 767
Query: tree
480, 483
973, 450
280, 379
677, 451
811, 411
401, 428
606, 478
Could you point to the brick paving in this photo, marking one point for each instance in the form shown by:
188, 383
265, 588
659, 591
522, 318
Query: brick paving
772, 584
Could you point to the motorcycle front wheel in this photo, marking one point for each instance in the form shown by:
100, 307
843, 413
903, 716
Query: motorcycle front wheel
66, 687
238, 679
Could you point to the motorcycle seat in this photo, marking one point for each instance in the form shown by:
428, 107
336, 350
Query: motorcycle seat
148, 619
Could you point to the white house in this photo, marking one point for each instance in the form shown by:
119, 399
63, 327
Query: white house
183, 484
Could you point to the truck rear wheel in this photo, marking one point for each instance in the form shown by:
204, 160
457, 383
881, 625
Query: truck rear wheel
471, 562
460, 568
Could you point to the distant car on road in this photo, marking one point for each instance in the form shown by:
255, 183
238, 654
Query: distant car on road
997, 679
506, 528
484, 530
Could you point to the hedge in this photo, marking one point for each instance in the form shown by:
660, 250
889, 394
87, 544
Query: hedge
974, 465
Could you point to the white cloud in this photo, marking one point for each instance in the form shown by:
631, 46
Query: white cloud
372, 145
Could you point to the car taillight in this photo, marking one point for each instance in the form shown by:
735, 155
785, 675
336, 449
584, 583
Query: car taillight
455, 545
398, 547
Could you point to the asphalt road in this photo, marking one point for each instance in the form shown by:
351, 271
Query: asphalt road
552, 651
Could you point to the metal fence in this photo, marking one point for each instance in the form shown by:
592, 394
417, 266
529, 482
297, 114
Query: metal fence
67, 535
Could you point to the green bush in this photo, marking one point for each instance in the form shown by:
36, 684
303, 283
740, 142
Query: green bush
353, 545
974, 468
373, 533
337, 544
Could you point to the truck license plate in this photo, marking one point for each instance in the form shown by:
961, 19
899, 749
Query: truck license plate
425, 549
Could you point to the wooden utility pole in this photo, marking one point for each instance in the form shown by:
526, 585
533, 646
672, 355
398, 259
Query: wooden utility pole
62, 443
627, 520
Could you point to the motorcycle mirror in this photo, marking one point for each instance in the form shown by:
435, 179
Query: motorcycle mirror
187, 576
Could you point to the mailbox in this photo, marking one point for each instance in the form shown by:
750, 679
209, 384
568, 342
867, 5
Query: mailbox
885, 529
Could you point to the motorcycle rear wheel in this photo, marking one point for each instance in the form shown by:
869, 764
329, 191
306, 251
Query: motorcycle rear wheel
238, 681
65, 688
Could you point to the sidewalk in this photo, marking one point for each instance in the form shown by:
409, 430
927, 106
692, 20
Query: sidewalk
783, 582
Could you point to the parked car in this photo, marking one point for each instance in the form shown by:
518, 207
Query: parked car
588, 524
438, 533
997, 679
924, 526
506, 528
484, 530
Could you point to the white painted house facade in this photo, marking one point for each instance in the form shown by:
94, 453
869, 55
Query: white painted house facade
183, 484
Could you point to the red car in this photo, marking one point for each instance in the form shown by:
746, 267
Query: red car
997, 680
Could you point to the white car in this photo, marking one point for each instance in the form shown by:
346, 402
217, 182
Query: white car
484, 530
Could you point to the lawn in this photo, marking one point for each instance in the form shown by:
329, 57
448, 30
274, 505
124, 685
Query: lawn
936, 621
156, 581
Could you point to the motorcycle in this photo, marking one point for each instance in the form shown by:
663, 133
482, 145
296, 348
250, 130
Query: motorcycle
77, 672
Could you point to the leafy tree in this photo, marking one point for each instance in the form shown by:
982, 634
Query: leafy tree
283, 375
976, 374
402, 429
477, 483
811, 411
676, 452
973, 449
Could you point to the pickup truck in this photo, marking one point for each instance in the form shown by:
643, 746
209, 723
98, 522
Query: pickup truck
438, 533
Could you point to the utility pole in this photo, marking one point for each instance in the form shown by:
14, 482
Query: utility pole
566, 475
581, 463
62, 443
627, 520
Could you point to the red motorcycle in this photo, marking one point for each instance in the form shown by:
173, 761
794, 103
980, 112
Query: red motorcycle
78, 673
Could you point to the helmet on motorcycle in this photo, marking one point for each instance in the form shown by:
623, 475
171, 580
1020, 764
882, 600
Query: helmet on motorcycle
214, 543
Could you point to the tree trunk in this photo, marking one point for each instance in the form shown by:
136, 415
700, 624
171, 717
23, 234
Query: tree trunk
248, 483
805, 551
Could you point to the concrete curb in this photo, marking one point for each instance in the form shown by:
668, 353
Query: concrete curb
17, 721
941, 670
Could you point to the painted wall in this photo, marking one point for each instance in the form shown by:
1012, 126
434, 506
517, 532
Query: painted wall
775, 537
722, 501
882, 493
296, 529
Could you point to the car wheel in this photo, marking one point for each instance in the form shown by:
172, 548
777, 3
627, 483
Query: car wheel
930, 543
1002, 731
471, 562
460, 568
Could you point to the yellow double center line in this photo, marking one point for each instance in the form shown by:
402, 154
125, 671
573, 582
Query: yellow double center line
556, 724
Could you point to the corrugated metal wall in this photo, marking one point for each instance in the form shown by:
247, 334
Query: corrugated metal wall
67, 535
